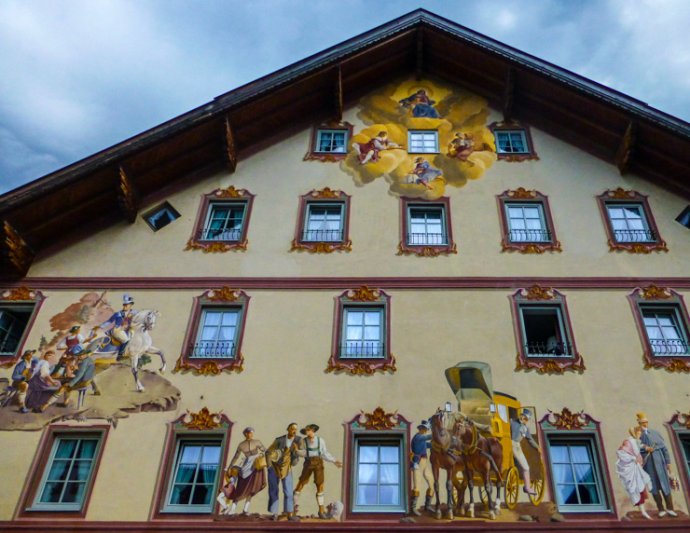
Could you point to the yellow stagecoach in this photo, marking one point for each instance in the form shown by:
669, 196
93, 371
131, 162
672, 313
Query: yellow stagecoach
472, 385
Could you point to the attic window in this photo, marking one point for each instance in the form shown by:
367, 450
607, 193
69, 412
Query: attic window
684, 217
513, 141
329, 141
161, 216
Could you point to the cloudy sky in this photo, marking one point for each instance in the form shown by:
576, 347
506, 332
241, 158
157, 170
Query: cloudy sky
81, 75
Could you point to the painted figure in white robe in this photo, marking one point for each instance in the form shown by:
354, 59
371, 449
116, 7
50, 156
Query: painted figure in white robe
629, 469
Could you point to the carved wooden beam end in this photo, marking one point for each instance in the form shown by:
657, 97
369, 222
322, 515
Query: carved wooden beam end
626, 148
230, 147
16, 255
127, 196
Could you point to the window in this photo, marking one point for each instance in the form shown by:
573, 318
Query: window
526, 222
322, 226
662, 321
214, 333
426, 228
196, 449
513, 141
575, 457
329, 142
679, 426
160, 216
422, 142
361, 340
544, 334
64, 471
629, 222
222, 221
18, 309
684, 217
378, 483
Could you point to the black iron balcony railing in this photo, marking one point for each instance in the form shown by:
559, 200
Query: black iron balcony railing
426, 239
322, 235
361, 350
669, 347
214, 349
634, 235
220, 234
548, 349
529, 235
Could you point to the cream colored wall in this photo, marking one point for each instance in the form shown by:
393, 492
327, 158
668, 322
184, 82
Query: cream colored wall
286, 346
278, 176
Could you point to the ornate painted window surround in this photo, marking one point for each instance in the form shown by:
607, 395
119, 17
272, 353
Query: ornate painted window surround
21, 296
378, 425
567, 426
523, 196
210, 366
196, 242
425, 250
40, 463
531, 154
556, 364
328, 157
324, 196
198, 426
668, 299
679, 427
353, 298
620, 196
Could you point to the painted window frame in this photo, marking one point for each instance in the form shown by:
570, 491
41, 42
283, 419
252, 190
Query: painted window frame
364, 297
425, 250
160, 207
412, 133
377, 426
324, 196
521, 196
201, 426
313, 154
620, 196
221, 196
511, 126
222, 298
578, 427
546, 297
39, 470
665, 298
20, 297
679, 428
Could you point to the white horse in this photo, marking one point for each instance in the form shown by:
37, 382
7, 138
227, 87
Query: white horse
139, 344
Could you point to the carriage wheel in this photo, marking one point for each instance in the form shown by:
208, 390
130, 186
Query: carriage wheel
512, 488
538, 485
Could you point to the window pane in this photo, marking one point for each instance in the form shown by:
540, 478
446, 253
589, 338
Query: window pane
74, 492
368, 454
66, 448
390, 473
180, 494
51, 492
59, 470
185, 473
366, 495
367, 473
80, 470
389, 495
202, 495
390, 454
372, 318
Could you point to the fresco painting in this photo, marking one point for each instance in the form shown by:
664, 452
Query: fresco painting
381, 149
91, 367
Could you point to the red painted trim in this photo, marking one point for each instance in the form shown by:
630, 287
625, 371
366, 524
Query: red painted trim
324, 196
341, 283
40, 462
426, 250
37, 301
508, 197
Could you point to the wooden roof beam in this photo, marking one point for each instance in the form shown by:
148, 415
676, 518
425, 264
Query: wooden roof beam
419, 60
16, 255
230, 146
626, 148
338, 93
127, 196
509, 94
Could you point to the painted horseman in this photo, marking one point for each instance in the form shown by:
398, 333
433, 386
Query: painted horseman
118, 325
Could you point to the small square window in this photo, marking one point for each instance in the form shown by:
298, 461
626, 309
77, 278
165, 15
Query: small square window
665, 330
423, 142
331, 141
217, 334
378, 475
161, 216
526, 223
511, 142
224, 222
544, 331
426, 228
322, 226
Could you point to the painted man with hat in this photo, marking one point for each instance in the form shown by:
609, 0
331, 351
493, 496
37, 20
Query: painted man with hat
82, 379
420, 466
21, 374
314, 451
657, 463
118, 325
247, 473
282, 456
520, 430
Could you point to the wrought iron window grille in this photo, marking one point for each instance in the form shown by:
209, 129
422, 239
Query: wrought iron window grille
548, 349
323, 235
530, 235
665, 347
220, 234
432, 239
361, 350
214, 349
634, 235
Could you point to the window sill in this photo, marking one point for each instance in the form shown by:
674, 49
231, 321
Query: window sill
637, 247
674, 363
209, 366
362, 367
534, 247
550, 364
216, 246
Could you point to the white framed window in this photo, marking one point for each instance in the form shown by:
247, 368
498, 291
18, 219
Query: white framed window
68, 473
217, 333
526, 222
363, 332
511, 142
544, 331
629, 223
426, 225
665, 331
14, 320
379, 480
224, 221
576, 473
331, 141
324, 222
422, 141
195, 475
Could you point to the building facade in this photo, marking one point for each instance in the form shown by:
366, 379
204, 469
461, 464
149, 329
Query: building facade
439, 248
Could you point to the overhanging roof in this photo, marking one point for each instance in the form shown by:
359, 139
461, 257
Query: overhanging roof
608, 124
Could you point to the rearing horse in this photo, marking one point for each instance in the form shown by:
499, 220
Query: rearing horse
442, 457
